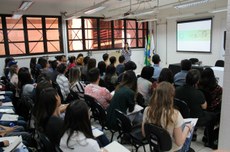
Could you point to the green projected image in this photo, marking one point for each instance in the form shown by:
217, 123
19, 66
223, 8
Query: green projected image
194, 35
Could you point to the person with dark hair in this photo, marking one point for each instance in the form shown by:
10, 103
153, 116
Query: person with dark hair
130, 65
156, 65
33, 69
101, 94
62, 81
106, 58
212, 91
6, 67
45, 68
72, 63
166, 75
161, 113
79, 59
126, 52
76, 85
102, 67
78, 135
91, 64
120, 68
53, 66
61, 59
110, 77
47, 114
123, 98
179, 78
144, 85
25, 82
196, 102
84, 68
113, 60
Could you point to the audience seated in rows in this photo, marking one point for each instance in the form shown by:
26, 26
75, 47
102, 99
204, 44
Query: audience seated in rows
196, 102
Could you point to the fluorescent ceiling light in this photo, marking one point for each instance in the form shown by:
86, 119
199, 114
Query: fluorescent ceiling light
147, 20
94, 10
190, 4
25, 5
71, 17
143, 13
219, 10
180, 16
17, 15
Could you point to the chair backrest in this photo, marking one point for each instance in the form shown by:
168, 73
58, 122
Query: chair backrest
182, 106
98, 112
158, 138
123, 122
71, 96
44, 144
194, 60
140, 99
219, 63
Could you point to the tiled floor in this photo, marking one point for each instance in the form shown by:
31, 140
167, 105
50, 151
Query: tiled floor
198, 145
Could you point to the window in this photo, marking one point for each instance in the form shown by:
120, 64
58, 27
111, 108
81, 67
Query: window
119, 34
131, 35
2, 47
75, 39
142, 30
91, 34
30, 35
15, 35
105, 35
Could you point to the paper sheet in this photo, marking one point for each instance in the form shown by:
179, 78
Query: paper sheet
9, 117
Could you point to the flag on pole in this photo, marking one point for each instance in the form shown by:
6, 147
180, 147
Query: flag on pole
152, 45
147, 50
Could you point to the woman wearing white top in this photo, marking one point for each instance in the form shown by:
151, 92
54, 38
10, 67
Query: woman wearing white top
78, 136
161, 112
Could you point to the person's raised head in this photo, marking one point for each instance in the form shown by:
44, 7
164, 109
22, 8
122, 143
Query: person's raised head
192, 77
147, 72
208, 78
77, 119
105, 56
43, 62
61, 68
166, 75
161, 103
110, 69
91, 63
129, 80
74, 74
24, 76
102, 67
186, 65
121, 59
85, 60
72, 59
93, 75
156, 59
112, 60
130, 65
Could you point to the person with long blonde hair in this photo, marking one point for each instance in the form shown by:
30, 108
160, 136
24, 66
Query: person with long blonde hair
161, 113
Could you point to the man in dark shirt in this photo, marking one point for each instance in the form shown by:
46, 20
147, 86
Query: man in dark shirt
196, 103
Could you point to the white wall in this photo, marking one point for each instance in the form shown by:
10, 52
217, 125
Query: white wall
137, 57
166, 42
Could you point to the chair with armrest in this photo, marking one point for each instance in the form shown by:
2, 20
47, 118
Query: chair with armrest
182, 106
98, 113
44, 144
126, 129
158, 138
